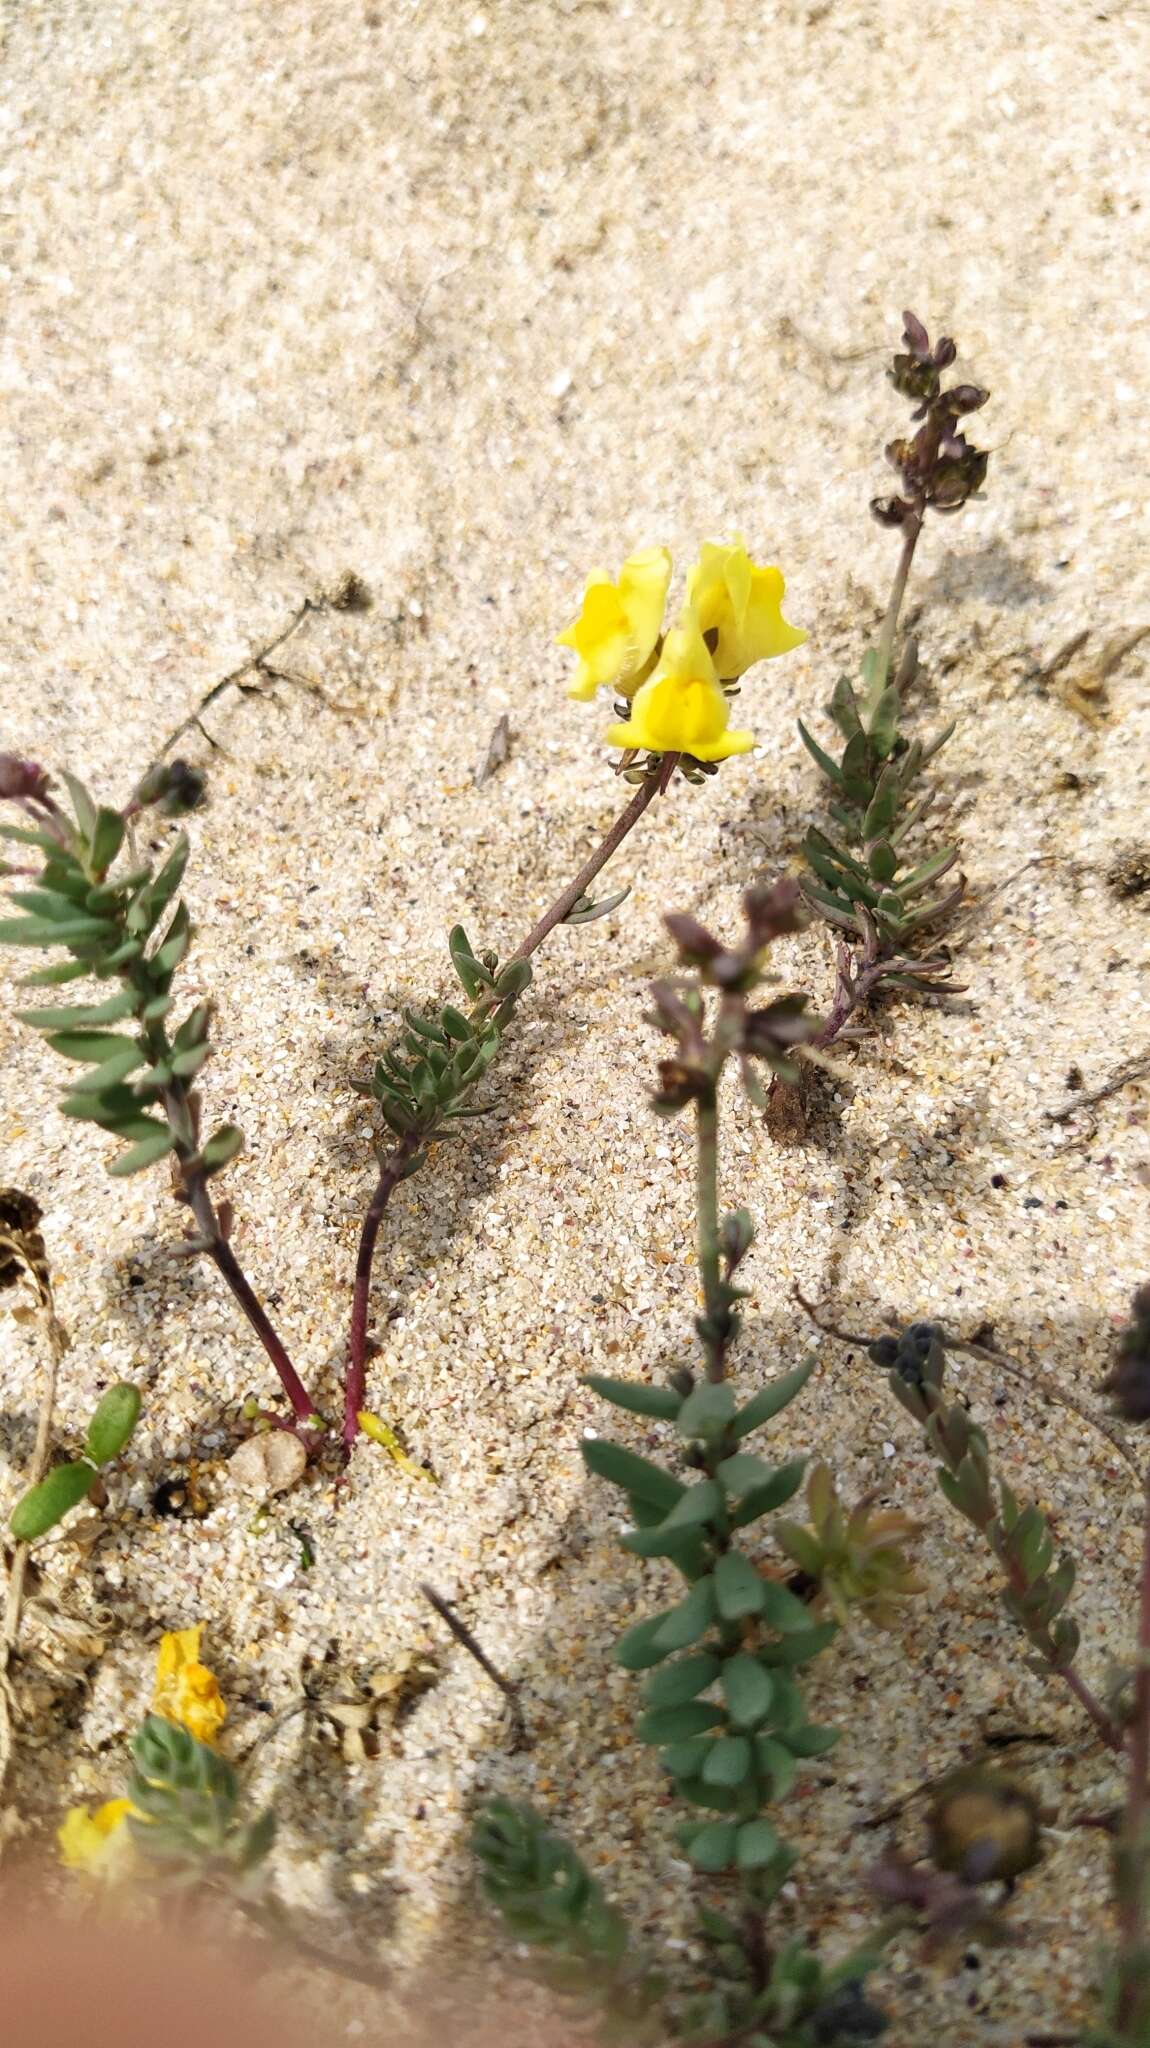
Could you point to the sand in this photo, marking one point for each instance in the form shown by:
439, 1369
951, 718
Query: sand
469, 302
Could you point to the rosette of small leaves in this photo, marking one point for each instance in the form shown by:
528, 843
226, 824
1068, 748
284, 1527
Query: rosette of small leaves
425, 1088
108, 1435
852, 1559
1037, 1589
133, 929
186, 1809
721, 1702
546, 1897
788, 1998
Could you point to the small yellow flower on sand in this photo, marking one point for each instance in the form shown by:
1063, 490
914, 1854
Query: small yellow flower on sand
186, 1691
96, 1843
741, 604
682, 710
618, 628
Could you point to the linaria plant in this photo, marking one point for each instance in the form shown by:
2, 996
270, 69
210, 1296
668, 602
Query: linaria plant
118, 919
723, 1703
873, 874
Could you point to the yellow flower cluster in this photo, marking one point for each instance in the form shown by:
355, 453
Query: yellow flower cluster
673, 682
187, 1693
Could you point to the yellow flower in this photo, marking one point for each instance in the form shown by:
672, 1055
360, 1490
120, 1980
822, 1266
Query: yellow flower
682, 710
741, 604
617, 631
96, 1843
186, 1691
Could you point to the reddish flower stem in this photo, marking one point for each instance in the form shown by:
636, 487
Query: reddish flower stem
394, 1164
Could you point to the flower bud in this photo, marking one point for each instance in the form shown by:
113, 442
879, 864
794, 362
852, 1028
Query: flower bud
20, 779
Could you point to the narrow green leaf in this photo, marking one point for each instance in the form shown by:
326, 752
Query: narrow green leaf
739, 1589
636, 1475
844, 708
55, 977
222, 1147
43, 1506
772, 1399
48, 931
82, 1016
145, 1153
167, 957
95, 1046
882, 861
113, 1423
466, 965
636, 1396
82, 803
586, 913
784, 1482
107, 838
114, 1069
883, 806
920, 878
149, 903
748, 1690
829, 767
189, 1062
883, 727
24, 835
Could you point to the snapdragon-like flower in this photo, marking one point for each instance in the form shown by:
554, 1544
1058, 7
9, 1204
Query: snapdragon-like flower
186, 1691
738, 604
617, 632
96, 1843
681, 709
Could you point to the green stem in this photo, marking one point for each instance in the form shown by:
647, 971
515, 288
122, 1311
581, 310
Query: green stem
910, 533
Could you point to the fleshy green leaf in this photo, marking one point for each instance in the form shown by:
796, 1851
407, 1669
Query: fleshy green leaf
107, 838
677, 1724
684, 1680
772, 1399
757, 1845
783, 1609
113, 1423
748, 1690
811, 1741
712, 1847
690, 1619
222, 1147
636, 1475
81, 1016
739, 1589
637, 1397
145, 1153
639, 1649
706, 1412
43, 1506
729, 1761
784, 1481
